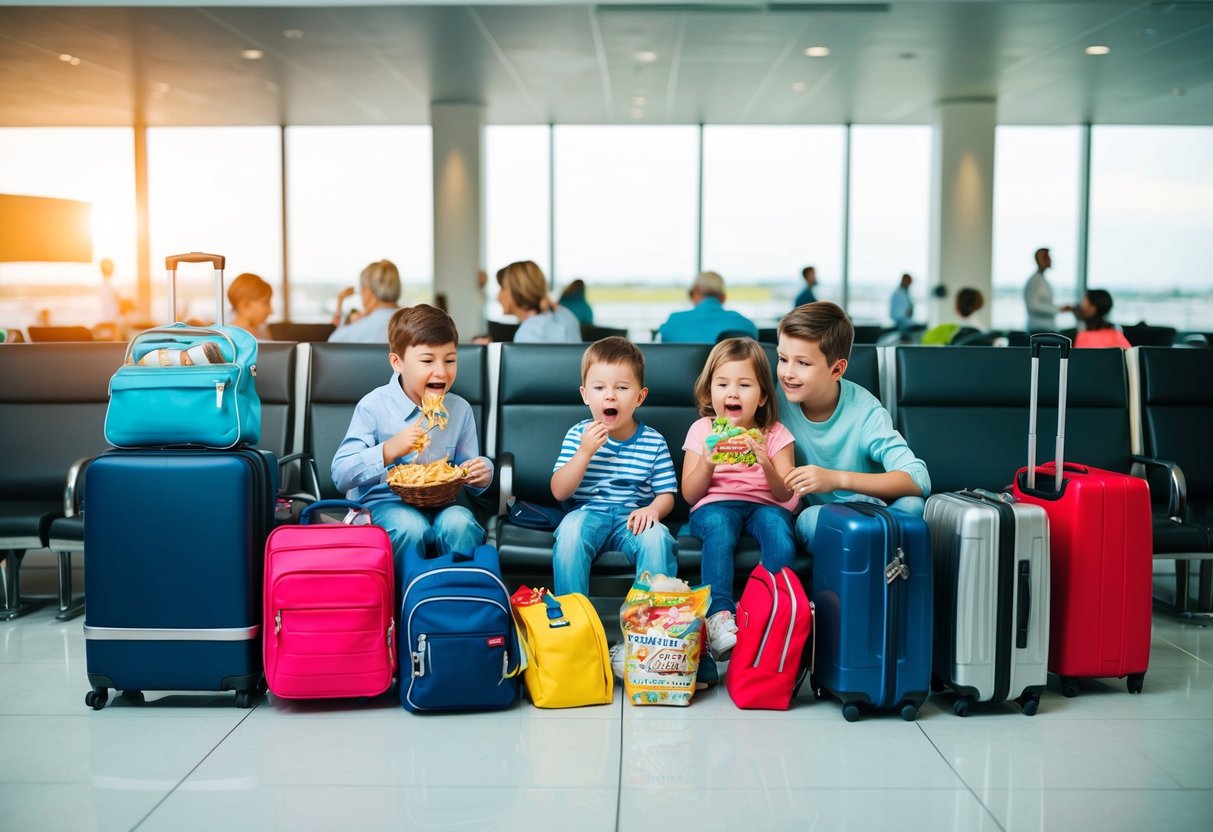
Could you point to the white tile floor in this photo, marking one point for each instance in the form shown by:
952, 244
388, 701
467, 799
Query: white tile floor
1104, 760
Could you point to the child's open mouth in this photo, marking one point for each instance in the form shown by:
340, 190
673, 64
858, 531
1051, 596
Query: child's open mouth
609, 413
732, 409
436, 387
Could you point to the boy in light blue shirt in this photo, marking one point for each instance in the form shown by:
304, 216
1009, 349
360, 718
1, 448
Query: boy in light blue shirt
617, 472
846, 447
387, 429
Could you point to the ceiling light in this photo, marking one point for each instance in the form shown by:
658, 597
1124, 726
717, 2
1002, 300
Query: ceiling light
644, 57
817, 52
636, 113
292, 34
799, 86
1097, 50
74, 61
66, 58
252, 54
639, 101
161, 88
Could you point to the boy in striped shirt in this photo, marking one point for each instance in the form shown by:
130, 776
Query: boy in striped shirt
616, 471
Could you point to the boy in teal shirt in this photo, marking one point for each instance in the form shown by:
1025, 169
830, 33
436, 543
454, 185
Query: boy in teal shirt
846, 447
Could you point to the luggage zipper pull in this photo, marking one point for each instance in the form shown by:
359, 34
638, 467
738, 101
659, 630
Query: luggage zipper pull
897, 568
419, 657
219, 385
390, 628
277, 622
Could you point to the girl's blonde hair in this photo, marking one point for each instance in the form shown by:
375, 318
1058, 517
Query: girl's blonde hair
739, 349
526, 283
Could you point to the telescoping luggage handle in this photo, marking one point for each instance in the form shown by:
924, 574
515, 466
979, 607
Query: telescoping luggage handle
1063, 343
305, 517
216, 260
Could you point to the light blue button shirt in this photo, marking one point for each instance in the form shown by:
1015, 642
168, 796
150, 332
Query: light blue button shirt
704, 323
560, 326
369, 329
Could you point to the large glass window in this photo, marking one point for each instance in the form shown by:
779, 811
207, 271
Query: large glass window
890, 219
772, 204
625, 208
93, 165
356, 195
1151, 228
1036, 204
518, 210
214, 189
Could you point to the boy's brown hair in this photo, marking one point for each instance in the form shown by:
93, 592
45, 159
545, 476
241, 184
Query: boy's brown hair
824, 323
420, 324
614, 350
739, 349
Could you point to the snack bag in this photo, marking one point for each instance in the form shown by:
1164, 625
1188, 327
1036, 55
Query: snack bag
727, 443
663, 633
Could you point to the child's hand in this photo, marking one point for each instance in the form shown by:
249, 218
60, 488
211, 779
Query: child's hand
478, 473
642, 519
757, 445
811, 479
404, 442
593, 438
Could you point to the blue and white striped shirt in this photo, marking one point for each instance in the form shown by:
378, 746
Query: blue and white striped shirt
628, 473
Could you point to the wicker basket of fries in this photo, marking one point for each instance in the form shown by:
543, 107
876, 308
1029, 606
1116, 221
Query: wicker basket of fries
427, 485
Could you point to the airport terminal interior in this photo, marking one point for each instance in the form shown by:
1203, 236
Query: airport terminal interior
924, 164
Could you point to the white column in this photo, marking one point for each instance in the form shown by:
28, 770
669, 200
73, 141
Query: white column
962, 204
458, 210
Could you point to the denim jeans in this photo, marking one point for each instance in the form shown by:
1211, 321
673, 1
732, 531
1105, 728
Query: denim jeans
720, 526
586, 533
451, 529
806, 523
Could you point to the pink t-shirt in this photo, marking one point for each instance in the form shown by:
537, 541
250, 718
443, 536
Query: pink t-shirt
740, 482
1109, 337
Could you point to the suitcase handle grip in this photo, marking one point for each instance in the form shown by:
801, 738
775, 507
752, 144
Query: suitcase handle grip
1063, 343
218, 260
320, 505
1024, 607
1050, 339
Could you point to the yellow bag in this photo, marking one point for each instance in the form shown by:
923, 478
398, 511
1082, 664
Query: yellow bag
567, 662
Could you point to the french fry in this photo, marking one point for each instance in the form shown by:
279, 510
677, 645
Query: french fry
433, 413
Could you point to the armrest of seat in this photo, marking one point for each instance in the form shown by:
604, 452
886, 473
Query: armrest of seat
73, 491
505, 480
308, 465
1177, 499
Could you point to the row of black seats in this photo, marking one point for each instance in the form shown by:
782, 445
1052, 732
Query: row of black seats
964, 411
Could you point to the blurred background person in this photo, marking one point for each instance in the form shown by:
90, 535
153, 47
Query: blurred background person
707, 319
901, 307
379, 284
573, 299
968, 302
807, 295
1096, 330
250, 298
523, 294
1038, 296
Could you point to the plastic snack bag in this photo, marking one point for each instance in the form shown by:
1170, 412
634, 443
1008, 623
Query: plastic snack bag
727, 443
663, 630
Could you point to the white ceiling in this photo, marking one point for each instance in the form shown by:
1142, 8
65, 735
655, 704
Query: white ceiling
540, 63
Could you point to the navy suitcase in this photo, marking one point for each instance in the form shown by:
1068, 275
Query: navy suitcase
175, 542
873, 589
460, 647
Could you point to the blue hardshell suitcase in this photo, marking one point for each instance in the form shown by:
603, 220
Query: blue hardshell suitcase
460, 647
873, 588
175, 542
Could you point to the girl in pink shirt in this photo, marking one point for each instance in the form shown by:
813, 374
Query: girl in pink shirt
728, 498
1098, 332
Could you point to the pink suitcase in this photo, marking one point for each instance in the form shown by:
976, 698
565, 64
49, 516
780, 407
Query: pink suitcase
329, 599
773, 651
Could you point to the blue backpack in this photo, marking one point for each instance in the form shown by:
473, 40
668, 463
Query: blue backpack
460, 649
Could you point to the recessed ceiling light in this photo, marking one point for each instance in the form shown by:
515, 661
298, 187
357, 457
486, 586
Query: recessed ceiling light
161, 88
637, 113
66, 58
817, 52
799, 86
292, 34
74, 61
1097, 50
252, 54
644, 57
639, 101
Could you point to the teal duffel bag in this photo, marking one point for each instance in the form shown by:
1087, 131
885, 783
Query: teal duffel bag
186, 385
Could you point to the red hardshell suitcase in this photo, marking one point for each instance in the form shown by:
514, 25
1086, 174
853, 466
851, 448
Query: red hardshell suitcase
330, 597
773, 651
1101, 562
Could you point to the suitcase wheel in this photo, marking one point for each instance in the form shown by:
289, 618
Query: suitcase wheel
244, 698
96, 698
960, 707
850, 712
1069, 687
1136, 682
135, 697
1029, 705
909, 711
937, 685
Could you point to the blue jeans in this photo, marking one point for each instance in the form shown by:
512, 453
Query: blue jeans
806, 523
720, 525
586, 533
451, 529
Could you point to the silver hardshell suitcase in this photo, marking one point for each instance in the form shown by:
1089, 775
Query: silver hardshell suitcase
992, 598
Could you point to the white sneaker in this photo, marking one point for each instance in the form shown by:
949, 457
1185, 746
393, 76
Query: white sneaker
617, 658
722, 634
